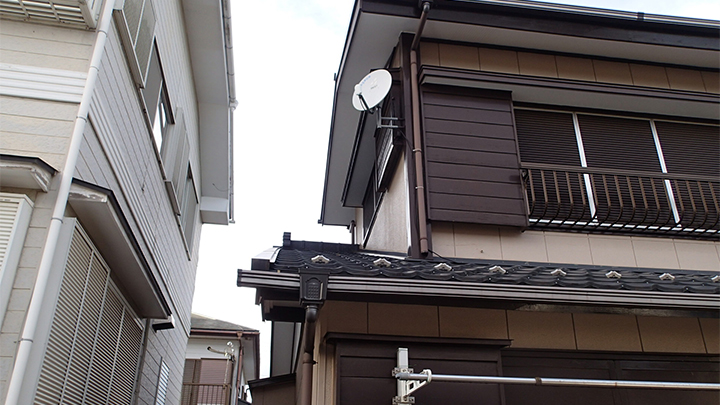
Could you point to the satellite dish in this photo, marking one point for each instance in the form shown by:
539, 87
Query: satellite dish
371, 90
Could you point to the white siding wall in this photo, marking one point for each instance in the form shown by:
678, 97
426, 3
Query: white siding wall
118, 153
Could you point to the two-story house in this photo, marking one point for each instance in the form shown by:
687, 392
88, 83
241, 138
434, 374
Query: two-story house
220, 358
546, 205
115, 147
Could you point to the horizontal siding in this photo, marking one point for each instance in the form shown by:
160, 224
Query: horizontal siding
45, 46
568, 67
471, 157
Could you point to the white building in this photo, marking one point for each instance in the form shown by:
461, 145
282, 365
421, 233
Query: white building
115, 147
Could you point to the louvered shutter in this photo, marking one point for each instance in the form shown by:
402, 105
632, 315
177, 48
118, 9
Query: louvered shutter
95, 338
548, 138
625, 145
693, 150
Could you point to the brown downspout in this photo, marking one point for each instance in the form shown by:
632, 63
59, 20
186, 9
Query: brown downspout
417, 135
311, 314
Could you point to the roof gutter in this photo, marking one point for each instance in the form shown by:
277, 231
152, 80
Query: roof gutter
232, 102
344, 285
65, 178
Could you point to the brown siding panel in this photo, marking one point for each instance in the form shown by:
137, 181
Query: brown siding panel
471, 157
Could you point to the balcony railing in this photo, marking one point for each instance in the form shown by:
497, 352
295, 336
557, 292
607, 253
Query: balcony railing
601, 200
205, 394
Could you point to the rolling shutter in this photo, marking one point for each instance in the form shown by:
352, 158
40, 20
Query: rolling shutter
95, 338
693, 151
546, 137
558, 191
620, 144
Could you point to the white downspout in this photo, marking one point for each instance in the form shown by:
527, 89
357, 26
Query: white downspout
65, 178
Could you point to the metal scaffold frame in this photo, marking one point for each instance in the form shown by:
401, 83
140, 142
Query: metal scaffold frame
408, 381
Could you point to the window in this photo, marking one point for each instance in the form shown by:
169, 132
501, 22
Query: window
162, 384
136, 24
615, 173
95, 339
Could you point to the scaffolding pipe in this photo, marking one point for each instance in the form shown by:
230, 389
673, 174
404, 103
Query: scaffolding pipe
557, 381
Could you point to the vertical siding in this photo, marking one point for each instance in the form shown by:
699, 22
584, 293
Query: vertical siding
118, 153
471, 157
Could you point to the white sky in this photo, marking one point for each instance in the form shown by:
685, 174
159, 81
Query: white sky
286, 52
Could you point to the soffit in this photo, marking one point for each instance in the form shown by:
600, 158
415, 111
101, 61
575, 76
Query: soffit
25, 172
373, 35
207, 41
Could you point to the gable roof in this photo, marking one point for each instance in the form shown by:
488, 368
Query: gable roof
199, 322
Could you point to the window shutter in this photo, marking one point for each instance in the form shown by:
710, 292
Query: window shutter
175, 156
136, 23
95, 339
693, 150
625, 144
546, 137
619, 143
690, 149
162, 383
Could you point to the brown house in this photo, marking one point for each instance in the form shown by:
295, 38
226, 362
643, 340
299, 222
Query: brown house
545, 205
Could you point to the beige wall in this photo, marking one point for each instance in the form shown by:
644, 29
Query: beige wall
564, 67
45, 46
36, 128
527, 329
495, 243
391, 229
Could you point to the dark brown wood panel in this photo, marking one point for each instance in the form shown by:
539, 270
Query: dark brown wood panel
609, 366
476, 217
473, 173
476, 188
452, 113
471, 143
364, 371
469, 203
473, 99
471, 159
469, 128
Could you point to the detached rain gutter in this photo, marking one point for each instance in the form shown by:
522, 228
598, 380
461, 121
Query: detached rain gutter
65, 178
417, 135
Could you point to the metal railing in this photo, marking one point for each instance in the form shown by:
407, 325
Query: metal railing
601, 200
205, 394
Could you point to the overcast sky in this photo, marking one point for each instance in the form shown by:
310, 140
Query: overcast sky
286, 52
